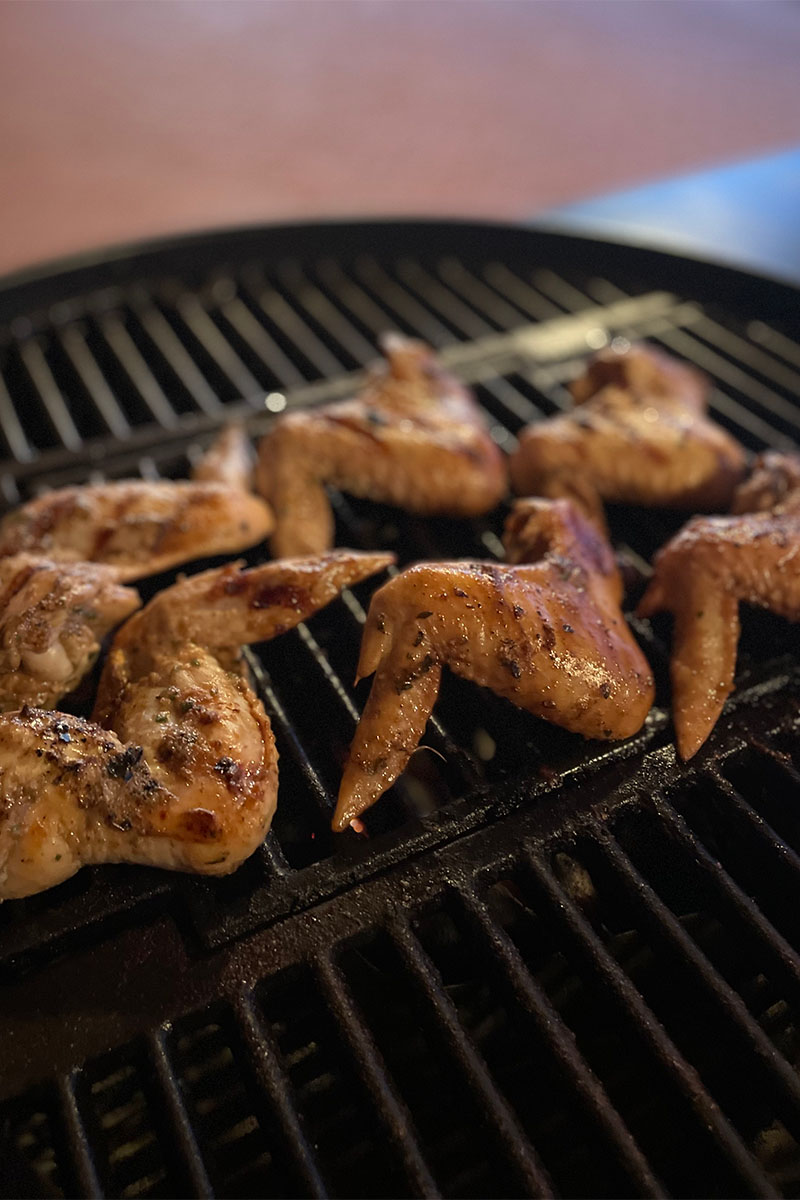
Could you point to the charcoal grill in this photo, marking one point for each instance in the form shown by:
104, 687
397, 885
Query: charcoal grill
554, 967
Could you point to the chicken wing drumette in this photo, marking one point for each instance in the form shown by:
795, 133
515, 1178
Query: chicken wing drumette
545, 631
53, 617
178, 768
638, 434
414, 437
703, 573
141, 527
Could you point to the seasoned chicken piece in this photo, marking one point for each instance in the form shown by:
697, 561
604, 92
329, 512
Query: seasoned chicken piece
703, 573
547, 633
229, 460
137, 527
414, 437
179, 767
639, 434
53, 617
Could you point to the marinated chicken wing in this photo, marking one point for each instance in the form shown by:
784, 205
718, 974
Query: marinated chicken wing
53, 617
228, 460
546, 632
414, 437
703, 573
136, 526
639, 434
178, 769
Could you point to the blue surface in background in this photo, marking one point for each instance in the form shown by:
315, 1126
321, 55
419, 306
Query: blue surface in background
746, 214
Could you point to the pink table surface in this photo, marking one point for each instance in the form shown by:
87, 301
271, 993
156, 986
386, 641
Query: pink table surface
126, 119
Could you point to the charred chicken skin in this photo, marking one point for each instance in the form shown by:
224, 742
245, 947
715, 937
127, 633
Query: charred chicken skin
638, 434
414, 437
53, 617
545, 631
178, 768
140, 527
703, 573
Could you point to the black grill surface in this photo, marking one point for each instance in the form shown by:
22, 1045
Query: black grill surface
554, 966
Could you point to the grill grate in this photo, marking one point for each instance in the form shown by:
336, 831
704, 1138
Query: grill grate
578, 976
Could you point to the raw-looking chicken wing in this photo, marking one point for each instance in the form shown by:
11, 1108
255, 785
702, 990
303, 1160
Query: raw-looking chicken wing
638, 434
141, 527
703, 573
545, 631
414, 437
178, 768
53, 617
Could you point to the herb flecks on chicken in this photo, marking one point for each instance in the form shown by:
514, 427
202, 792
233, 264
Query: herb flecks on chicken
703, 574
545, 631
178, 768
413, 437
638, 434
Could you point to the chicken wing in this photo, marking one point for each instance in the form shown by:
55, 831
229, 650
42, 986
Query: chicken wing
53, 617
228, 460
546, 632
703, 573
414, 437
136, 526
178, 768
639, 434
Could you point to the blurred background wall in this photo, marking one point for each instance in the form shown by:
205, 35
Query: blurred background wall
139, 117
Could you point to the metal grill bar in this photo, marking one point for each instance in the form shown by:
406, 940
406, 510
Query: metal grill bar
104, 400
80, 1149
393, 1113
764, 934
560, 1043
516, 1145
485, 300
178, 358
12, 429
279, 718
133, 363
183, 1139
326, 315
669, 932
527, 298
272, 1082
775, 341
253, 333
54, 404
443, 301
218, 347
582, 939
415, 317
281, 314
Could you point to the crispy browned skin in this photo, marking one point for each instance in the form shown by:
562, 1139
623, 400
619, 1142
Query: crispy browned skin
229, 460
703, 573
547, 633
414, 437
187, 778
136, 526
639, 434
53, 617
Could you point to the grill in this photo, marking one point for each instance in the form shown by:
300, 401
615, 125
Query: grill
553, 967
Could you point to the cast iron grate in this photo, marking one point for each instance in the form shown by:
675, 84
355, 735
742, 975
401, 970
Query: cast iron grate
592, 994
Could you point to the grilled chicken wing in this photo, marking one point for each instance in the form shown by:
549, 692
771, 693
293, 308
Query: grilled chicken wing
53, 617
228, 460
414, 437
703, 573
546, 632
639, 434
178, 769
137, 527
